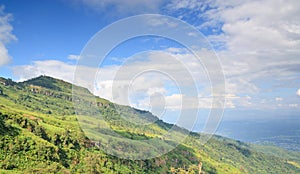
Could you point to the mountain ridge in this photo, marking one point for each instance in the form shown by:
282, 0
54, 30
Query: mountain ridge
40, 134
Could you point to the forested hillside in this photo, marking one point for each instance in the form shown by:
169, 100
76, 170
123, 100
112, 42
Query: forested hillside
40, 133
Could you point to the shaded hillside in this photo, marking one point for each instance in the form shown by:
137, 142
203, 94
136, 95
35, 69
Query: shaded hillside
39, 133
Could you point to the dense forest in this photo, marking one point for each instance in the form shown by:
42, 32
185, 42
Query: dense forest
40, 133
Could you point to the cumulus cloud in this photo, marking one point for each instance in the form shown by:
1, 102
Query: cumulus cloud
258, 42
261, 43
6, 36
147, 76
53, 68
258, 37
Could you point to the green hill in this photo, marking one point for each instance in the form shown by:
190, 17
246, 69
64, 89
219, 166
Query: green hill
40, 133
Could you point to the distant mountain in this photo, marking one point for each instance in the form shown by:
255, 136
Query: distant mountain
40, 133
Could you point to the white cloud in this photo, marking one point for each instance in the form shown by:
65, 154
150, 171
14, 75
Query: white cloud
149, 78
262, 37
53, 68
6, 36
73, 57
293, 105
161, 102
259, 41
4, 56
259, 45
298, 92
278, 99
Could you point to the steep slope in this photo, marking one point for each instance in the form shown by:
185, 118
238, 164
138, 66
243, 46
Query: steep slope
39, 133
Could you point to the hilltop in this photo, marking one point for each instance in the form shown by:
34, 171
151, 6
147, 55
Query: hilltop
39, 133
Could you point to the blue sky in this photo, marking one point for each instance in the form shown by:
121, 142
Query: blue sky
258, 45
49, 29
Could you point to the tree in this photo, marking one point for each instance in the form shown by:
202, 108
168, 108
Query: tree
2, 124
9, 82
